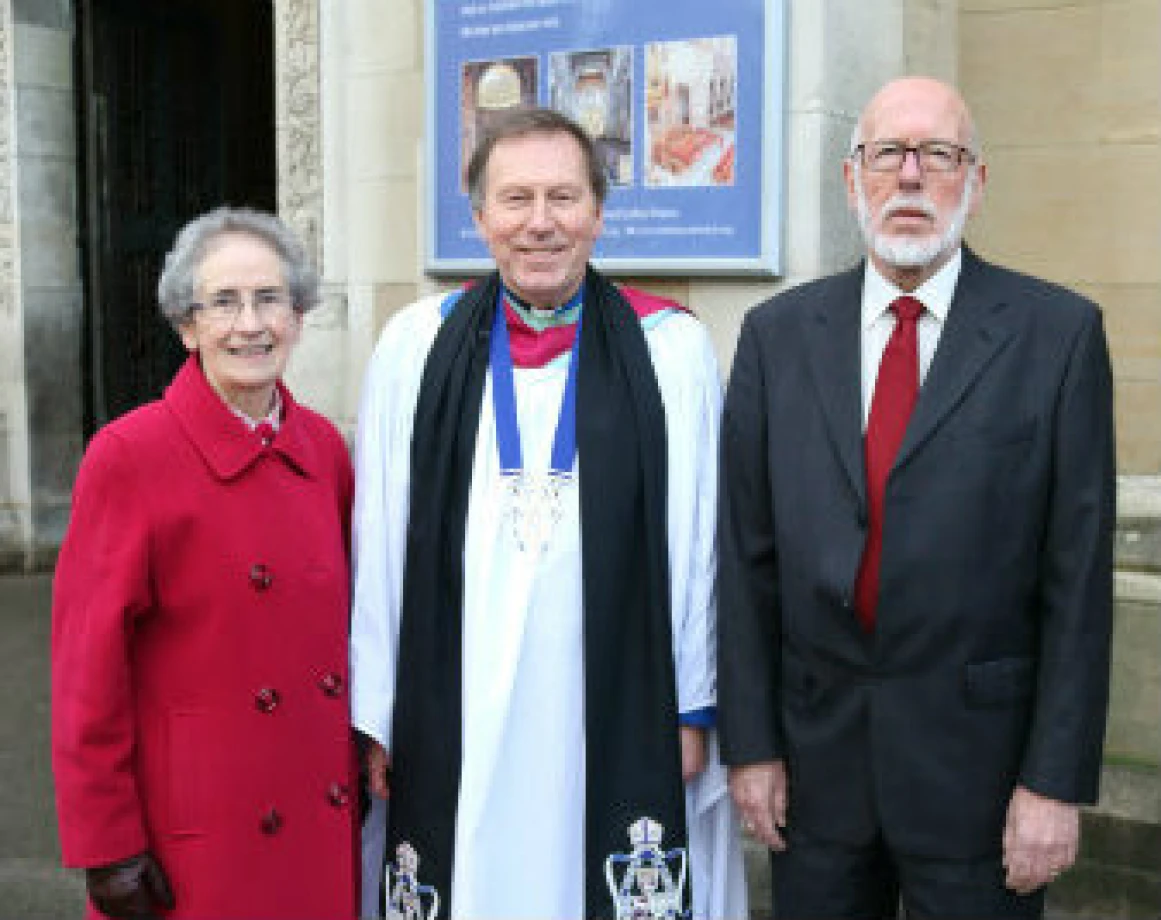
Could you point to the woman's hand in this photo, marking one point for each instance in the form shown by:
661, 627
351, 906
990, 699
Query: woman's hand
378, 760
692, 752
131, 889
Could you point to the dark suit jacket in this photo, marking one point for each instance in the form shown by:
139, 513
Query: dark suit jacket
989, 663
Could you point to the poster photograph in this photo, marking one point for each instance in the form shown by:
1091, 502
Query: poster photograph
595, 89
686, 112
488, 88
690, 111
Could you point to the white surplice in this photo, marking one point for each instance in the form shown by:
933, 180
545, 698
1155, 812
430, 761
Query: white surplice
519, 846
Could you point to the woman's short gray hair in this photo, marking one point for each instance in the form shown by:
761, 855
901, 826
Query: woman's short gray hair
175, 287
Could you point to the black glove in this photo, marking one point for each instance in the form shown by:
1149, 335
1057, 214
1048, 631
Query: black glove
131, 889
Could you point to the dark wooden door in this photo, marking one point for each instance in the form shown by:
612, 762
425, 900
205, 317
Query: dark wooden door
176, 116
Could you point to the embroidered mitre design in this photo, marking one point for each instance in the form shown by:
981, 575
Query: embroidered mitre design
406, 898
648, 882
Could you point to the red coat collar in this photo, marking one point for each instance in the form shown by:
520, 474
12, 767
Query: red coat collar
222, 439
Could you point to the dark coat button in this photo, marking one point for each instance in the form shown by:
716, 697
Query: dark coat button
266, 699
260, 576
331, 684
337, 795
271, 822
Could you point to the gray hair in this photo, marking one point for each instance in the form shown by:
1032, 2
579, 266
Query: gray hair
521, 122
175, 287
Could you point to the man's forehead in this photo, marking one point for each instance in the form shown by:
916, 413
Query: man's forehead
537, 157
920, 110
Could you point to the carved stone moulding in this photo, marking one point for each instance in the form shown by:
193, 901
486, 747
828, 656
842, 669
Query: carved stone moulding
299, 121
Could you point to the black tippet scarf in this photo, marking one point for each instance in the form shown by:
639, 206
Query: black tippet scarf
633, 760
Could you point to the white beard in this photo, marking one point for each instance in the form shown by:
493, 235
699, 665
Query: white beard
909, 252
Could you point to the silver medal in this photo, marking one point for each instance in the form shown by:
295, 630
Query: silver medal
534, 505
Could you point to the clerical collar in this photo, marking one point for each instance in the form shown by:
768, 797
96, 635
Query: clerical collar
539, 320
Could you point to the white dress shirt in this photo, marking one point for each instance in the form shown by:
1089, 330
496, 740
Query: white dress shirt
878, 322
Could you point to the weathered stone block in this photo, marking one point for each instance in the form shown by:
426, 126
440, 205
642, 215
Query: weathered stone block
1134, 727
55, 14
45, 123
1108, 891
1138, 426
1132, 845
43, 57
1138, 544
1063, 194
384, 35
1132, 317
1131, 792
378, 251
393, 102
389, 299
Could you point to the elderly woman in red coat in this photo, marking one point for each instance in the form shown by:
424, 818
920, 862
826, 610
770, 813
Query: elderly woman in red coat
201, 746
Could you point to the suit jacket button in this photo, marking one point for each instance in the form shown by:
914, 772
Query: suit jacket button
337, 795
260, 576
271, 822
266, 700
331, 684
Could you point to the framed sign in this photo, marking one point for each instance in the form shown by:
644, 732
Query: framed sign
684, 99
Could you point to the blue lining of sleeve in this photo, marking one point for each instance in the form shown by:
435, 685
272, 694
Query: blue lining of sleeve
706, 717
449, 303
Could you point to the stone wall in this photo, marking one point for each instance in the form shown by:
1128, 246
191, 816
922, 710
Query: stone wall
51, 295
1118, 874
1067, 96
40, 287
1068, 100
365, 86
15, 511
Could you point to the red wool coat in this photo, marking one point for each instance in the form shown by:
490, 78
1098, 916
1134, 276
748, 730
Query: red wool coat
200, 623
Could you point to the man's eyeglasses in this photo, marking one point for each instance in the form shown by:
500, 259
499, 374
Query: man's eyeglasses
933, 156
225, 306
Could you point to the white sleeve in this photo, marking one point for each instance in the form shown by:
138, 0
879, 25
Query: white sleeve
379, 522
691, 390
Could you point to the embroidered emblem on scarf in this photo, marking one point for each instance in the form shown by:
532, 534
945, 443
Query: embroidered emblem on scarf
407, 899
650, 883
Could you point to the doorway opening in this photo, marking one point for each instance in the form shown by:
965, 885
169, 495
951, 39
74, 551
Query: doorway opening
175, 112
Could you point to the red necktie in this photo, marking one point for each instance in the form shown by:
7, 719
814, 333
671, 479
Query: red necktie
896, 389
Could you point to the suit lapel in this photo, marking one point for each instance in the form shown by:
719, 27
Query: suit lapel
978, 327
832, 337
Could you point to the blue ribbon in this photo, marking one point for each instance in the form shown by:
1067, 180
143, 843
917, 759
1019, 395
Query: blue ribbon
504, 400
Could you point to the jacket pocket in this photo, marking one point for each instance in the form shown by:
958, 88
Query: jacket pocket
184, 781
1000, 682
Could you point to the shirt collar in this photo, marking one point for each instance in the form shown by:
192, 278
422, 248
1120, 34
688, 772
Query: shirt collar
227, 447
935, 293
273, 418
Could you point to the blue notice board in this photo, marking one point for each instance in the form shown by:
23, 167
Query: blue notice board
684, 98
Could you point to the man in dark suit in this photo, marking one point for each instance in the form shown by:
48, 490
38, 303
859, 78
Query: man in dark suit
916, 553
